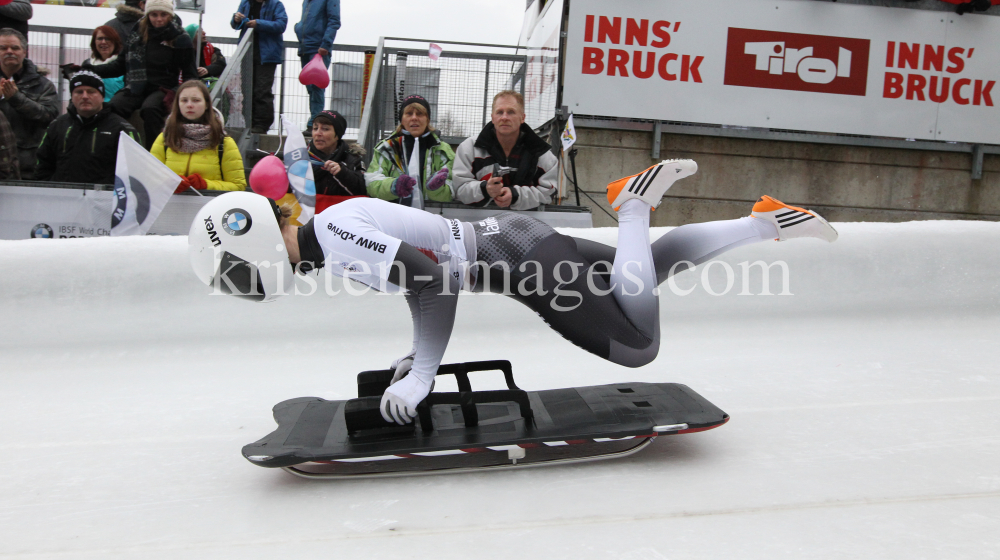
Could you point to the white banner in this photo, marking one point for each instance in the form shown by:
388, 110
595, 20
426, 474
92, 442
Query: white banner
788, 64
50, 213
542, 67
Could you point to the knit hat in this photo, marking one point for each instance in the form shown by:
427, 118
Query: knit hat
160, 6
191, 30
419, 100
334, 119
86, 78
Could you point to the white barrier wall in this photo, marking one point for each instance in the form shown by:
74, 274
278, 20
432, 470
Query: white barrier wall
814, 66
33, 212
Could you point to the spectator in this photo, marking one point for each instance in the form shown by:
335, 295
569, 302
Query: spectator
127, 15
508, 142
194, 144
81, 146
15, 15
338, 168
411, 165
10, 168
105, 44
211, 63
268, 20
30, 101
316, 32
155, 54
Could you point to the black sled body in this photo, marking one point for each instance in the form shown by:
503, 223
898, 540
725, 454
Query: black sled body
317, 438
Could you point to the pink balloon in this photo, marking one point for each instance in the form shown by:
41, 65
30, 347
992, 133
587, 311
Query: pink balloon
269, 178
314, 73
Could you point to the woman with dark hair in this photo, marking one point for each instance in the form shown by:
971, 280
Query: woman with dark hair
105, 44
195, 146
338, 168
154, 55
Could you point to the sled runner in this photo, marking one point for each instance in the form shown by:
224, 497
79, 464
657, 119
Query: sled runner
476, 430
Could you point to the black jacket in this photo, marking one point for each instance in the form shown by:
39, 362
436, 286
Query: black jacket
215, 66
77, 150
351, 179
124, 20
29, 112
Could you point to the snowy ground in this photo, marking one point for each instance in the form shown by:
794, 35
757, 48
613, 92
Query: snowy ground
863, 409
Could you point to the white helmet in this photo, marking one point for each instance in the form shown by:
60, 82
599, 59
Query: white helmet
235, 245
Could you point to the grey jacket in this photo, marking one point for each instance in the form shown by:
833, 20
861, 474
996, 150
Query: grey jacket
16, 15
33, 107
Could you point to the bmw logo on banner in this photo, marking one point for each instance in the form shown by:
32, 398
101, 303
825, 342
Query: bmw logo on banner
42, 231
236, 221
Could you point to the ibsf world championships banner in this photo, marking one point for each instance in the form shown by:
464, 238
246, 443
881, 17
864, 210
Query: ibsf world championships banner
796, 65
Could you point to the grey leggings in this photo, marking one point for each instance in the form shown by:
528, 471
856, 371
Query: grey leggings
582, 309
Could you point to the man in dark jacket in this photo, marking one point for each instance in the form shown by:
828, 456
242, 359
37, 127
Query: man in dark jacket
268, 20
30, 101
82, 145
129, 12
529, 172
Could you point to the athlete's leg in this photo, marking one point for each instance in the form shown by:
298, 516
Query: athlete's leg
691, 243
433, 298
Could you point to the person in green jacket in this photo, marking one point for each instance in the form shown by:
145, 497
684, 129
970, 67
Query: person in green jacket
414, 164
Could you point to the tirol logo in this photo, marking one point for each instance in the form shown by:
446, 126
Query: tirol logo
798, 62
236, 221
42, 231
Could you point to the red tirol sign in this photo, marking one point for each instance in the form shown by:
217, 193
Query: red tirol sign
796, 61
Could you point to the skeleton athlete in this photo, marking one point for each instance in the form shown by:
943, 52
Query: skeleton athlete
602, 299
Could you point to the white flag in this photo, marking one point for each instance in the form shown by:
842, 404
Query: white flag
143, 186
568, 136
300, 173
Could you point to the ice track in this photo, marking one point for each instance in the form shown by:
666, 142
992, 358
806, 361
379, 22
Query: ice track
864, 413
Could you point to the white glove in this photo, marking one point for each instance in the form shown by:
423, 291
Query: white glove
402, 366
400, 400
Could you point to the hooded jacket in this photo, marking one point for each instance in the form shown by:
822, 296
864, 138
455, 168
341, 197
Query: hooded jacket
319, 25
78, 150
533, 182
124, 20
270, 27
33, 107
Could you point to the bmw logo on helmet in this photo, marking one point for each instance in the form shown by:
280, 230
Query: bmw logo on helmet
236, 221
42, 231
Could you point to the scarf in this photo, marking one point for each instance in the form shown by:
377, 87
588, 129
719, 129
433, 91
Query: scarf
135, 62
196, 138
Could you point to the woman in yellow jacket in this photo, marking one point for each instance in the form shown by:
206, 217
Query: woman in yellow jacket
190, 144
